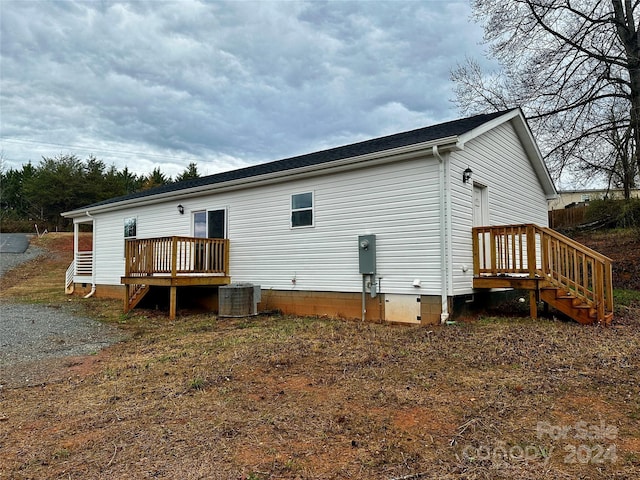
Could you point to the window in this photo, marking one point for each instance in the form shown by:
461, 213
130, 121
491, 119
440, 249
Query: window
210, 224
200, 224
130, 227
130, 231
302, 210
585, 197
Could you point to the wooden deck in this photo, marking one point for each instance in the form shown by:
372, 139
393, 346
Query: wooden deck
173, 262
553, 268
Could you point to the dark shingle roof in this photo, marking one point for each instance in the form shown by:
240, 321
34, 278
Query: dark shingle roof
426, 134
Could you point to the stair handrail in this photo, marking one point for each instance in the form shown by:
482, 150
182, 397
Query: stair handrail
601, 283
528, 249
68, 283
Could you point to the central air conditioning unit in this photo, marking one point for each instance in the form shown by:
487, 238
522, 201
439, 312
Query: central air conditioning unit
238, 300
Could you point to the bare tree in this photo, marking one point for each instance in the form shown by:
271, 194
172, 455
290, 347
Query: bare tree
574, 68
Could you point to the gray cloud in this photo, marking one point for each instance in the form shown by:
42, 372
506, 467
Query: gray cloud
225, 84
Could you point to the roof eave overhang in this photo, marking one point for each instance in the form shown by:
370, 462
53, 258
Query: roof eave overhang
375, 158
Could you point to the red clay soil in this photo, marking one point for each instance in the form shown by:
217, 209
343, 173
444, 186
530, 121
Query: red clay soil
297, 398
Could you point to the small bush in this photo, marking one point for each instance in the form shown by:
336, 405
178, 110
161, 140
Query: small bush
12, 225
615, 213
629, 216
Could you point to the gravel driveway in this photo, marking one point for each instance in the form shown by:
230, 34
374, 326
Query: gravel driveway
35, 339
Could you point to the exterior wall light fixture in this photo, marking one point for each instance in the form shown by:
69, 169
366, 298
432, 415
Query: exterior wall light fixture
466, 175
181, 209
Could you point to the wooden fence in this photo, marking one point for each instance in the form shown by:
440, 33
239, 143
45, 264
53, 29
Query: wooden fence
567, 217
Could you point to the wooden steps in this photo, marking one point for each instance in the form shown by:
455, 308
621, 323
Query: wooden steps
578, 309
556, 269
135, 293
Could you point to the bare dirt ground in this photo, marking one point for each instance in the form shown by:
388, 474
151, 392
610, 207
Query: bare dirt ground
274, 397
623, 247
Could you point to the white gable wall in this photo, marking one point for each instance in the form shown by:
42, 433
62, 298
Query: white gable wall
515, 195
397, 202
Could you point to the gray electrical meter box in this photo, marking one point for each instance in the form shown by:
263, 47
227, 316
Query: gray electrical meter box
367, 249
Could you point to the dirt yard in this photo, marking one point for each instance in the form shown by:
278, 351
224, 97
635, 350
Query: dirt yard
275, 397
623, 247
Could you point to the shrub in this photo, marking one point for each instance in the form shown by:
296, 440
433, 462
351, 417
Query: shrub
12, 225
615, 213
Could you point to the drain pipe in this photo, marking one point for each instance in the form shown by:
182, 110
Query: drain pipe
444, 268
93, 257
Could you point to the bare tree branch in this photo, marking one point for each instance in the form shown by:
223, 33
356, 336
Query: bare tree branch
574, 68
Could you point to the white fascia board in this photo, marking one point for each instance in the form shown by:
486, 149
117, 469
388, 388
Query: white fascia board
537, 160
376, 158
82, 218
529, 144
487, 126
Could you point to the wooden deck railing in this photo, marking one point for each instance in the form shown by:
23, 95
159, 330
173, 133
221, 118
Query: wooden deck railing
176, 256
538, 252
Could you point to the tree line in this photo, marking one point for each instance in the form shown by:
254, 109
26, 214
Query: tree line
39, 194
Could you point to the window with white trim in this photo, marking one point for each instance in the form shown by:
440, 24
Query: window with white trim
302, 210
130, 227
130, 230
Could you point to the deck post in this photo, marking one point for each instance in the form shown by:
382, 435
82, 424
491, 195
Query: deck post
174, 256
172, 302
494, 252
608, 286
544, 255
531, 251
533, 304
127, 257
598, 290
476, 251
226, 257
127, 292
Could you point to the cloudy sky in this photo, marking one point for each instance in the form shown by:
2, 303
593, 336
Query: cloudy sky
148, 84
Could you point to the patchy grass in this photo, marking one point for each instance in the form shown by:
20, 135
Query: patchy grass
626, 298
303, 398
42, 280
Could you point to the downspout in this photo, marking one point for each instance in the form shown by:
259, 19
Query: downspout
444, 267
93, 258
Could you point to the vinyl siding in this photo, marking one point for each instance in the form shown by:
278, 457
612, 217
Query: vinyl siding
152, 221
515, 194
398, 202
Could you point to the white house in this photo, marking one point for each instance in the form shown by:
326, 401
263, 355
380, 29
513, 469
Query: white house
296, 226
568, 198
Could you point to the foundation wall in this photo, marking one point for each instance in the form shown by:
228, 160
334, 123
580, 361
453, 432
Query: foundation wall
344, 305
332, 304
102, 291
430, 309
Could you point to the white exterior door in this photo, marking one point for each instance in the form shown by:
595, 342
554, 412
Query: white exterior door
481, 219
480, 206
207, 224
